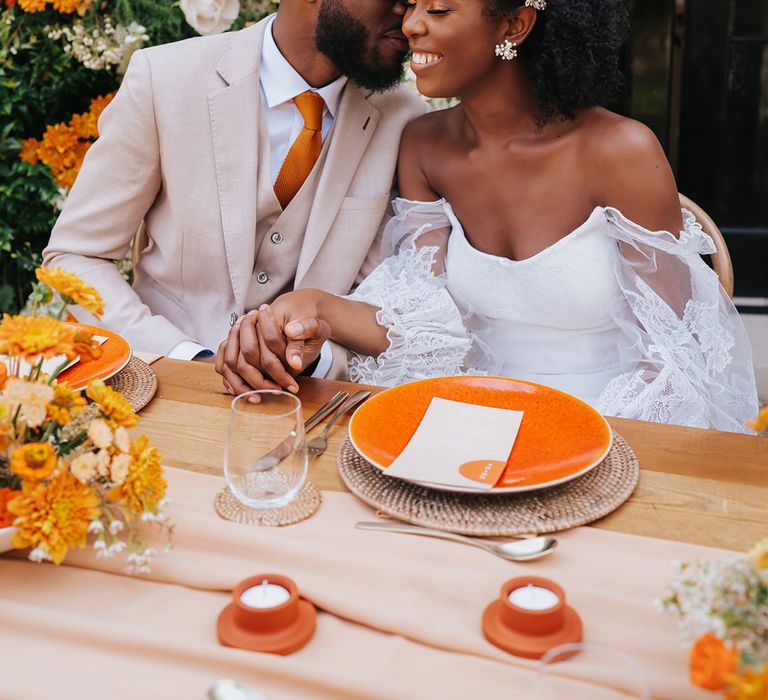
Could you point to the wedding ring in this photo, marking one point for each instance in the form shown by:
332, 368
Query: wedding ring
232, 319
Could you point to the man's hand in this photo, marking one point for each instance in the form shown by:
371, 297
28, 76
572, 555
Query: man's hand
240, 374
288, 346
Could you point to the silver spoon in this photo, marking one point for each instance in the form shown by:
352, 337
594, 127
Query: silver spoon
521, 550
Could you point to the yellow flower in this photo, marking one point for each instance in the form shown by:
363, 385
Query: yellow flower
65, 402
759, 554
34, 461
760, 424
32, 336
99, 104
144, 485
71, 287
54, 516
85, 346
750, 684
112, 404
32, 5
711, 661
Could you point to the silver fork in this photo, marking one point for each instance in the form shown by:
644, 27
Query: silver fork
272, 458
317, 445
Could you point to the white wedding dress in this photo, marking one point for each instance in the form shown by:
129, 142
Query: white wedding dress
631, 321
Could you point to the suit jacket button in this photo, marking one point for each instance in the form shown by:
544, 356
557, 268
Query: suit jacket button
262, 278
277, 237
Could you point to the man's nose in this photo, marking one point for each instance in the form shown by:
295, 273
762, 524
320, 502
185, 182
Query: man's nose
399, 8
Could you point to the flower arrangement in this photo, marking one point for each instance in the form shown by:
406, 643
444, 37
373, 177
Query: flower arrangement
69, 468
723, 610
63, 146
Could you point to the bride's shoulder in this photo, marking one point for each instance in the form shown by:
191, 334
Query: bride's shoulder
612, 137
428, 128
628, 169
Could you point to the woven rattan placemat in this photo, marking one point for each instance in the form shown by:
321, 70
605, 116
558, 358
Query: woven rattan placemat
300, 508
137, 381
577, 502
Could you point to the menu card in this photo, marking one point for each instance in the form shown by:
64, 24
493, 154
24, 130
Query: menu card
459, 444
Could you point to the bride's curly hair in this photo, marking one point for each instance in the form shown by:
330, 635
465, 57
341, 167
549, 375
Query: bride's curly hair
572, 54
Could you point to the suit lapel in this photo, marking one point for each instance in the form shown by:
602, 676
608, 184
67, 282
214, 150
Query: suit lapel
352, 131
234, 115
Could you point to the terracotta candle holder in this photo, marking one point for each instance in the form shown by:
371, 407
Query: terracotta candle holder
266, 614
530, 617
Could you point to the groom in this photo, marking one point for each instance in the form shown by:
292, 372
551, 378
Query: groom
255, 161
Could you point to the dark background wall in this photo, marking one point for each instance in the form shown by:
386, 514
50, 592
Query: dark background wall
697, 74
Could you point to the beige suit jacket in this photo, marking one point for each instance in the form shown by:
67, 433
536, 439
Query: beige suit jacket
178, 149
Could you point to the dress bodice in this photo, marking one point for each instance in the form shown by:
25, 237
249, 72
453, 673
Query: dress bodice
547, 318
630, 320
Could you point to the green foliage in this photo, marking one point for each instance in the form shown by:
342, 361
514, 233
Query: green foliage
40, 84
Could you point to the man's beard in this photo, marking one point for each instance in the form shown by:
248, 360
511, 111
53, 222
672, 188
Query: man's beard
344, 39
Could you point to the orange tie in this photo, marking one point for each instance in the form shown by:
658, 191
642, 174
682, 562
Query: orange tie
304, 151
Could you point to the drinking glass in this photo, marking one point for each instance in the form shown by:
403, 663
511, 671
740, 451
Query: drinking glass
265, 451
590, 671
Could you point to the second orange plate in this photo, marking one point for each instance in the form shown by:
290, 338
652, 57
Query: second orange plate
560, 438
115, 354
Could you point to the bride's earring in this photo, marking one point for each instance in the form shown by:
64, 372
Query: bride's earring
507, 50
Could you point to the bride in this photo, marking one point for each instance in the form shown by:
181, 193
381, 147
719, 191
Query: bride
538, 236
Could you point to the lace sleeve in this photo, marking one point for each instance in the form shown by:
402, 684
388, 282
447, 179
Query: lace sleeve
426, 332
686, 357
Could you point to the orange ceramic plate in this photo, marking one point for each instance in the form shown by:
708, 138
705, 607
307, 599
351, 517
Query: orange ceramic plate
560, 438
115, 354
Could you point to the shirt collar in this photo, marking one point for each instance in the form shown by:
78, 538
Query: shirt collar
281, 83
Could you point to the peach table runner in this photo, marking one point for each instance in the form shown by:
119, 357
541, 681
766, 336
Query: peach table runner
400, 615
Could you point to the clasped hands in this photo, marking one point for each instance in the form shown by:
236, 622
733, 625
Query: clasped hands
268, 347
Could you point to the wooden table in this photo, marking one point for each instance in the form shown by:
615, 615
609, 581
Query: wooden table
699, 486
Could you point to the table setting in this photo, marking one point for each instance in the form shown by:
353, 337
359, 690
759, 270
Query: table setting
445, 538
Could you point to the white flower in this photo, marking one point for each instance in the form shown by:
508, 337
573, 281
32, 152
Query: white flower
100, 433
84, 468
119, 469
102, 459
38, 554
96, 526
122, 439
210, 16
115, 527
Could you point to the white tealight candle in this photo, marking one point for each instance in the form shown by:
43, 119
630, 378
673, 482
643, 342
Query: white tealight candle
532, 597
265, 595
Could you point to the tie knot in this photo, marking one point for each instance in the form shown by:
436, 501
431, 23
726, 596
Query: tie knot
310, 106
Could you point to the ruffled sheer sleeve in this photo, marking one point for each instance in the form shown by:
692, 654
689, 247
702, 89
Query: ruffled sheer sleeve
425, 328
685, 356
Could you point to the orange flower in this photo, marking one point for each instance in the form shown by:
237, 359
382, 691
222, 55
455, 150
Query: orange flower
144, 485
28, 152
760, 424
6, 495
750, 684
112, 404
85, 125
86, 346
54, 516
32, 5
711, 662
34, 461
3, 375
72, 289
99, 104
65, 6
32, 336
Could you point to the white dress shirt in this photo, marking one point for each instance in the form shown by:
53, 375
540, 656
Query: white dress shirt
280, 83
